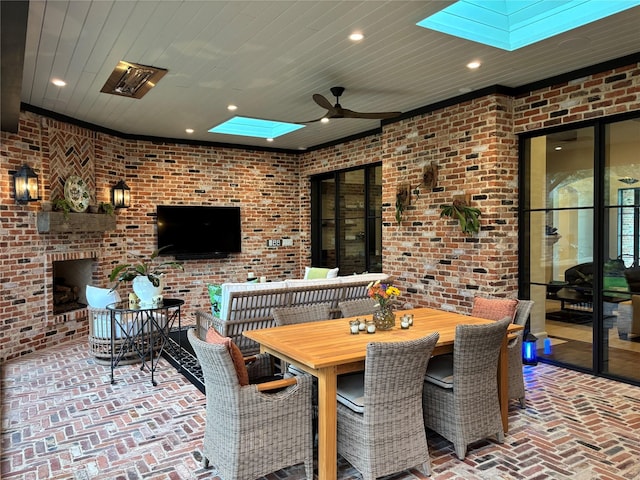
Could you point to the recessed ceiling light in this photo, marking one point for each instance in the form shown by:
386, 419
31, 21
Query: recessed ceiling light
557, 148
356, 36
232, 108
255, 127
189, 130
324, 120
510, 25
58, 83
269, 139
473, 65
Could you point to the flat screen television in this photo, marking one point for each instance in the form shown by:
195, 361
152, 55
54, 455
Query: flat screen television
199, 231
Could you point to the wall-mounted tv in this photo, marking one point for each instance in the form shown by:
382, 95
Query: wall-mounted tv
199, 231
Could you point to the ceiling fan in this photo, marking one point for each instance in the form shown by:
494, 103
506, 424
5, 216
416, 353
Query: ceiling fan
336, 111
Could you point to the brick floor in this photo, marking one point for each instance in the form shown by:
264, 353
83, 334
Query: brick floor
62, 419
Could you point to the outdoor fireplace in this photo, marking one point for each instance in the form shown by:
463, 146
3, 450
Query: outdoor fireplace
70, 279
69, 274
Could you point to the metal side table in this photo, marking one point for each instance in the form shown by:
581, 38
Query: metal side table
145, 330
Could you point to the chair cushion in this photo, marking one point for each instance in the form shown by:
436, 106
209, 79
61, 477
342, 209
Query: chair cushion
351, 391
315, 272
494, 308
101, 297
236, 355
215, 295
440, 371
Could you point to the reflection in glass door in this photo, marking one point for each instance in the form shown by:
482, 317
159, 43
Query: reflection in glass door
347, 220
580, 237
620, 332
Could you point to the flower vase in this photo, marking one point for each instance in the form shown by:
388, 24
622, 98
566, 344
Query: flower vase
384, 318
145, 290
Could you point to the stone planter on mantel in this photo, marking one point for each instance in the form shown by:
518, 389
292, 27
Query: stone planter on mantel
54, 222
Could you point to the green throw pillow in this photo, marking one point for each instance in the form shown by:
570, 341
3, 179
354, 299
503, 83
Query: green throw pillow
215, 295
315, 272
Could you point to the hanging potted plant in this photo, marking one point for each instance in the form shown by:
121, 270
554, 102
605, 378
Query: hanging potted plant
145, 275
403, 200
468, 217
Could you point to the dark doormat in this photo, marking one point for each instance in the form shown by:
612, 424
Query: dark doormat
180, 353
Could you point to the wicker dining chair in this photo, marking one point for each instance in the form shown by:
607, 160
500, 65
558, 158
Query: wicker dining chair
460, 396
302, 313
381, 431
514, 354
250, 433
514, 347
354, 308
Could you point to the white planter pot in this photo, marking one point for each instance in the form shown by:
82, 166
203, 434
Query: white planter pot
145, 290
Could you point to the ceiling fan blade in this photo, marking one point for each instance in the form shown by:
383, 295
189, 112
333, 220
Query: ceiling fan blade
371, 115
316, 120
323, 102
336, 111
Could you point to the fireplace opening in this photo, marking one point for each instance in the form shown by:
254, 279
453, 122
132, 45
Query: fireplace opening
70, 279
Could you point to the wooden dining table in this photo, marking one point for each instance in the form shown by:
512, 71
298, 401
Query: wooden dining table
326, 349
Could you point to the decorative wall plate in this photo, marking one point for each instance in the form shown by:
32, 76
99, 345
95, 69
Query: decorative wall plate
76, 193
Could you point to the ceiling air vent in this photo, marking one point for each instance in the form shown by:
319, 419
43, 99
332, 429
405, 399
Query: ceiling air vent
132, 80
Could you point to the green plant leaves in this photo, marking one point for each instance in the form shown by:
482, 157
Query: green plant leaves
467, 217
145, 267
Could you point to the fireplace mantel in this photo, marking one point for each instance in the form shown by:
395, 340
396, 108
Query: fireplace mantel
55, 222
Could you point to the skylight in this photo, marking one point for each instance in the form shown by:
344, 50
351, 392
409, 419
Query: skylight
513, 24
255, 127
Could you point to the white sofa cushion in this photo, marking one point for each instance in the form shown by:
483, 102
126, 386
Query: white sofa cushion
228, 288
367, 277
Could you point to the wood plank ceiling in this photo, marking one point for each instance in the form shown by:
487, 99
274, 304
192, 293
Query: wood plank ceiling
269, 57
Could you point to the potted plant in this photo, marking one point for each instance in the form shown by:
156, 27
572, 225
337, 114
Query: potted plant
62, 205
106, 207
145, 275
467, 216
403, 200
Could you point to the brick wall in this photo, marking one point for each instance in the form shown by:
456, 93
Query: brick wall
264, 185
474, 145
600, 95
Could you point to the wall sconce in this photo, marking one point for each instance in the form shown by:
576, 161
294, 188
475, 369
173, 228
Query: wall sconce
529, 350
25, 185
121, 195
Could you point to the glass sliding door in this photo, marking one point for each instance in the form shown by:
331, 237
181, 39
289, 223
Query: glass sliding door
580, 238
560, 216
621, 244
351, 217
347, 220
